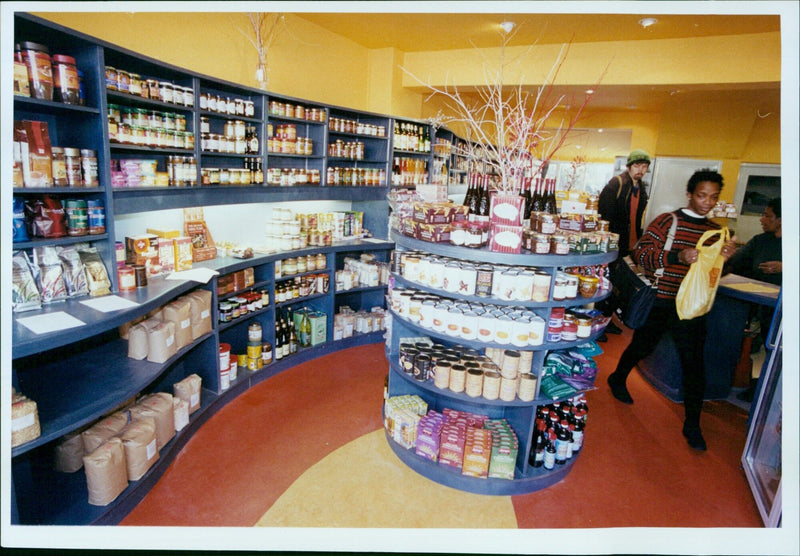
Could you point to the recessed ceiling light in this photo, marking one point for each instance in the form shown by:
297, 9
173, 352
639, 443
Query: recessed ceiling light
600, 130
589, 91
508, 26
647, 21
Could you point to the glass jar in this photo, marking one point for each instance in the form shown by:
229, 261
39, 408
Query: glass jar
89, 168
72, 163
59, 167
66, 81
40, 73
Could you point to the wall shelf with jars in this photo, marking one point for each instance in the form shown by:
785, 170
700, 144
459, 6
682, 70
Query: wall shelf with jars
358, 149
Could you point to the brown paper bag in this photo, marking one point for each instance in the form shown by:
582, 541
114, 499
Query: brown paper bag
159, 407
200, 305
188, 389
138, 345
179, 312
141, 447
102, 430
161, 342
106, 473
181, 410
69, 453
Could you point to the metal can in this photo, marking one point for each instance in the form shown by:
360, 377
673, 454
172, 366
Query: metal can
458, 378
491, 385
254, 349
422, 367
483, 280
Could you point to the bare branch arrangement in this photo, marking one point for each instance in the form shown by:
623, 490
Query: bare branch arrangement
512, 126
262, 33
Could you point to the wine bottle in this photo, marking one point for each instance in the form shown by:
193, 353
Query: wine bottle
305, 330
550, 200
536, 199
471, 198
526, 198
284, 336
278, 348
485, 201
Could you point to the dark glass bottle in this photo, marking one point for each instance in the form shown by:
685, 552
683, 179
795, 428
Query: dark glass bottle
526, 196
549, 204
278, 347
536, 198
485, 200
472, 198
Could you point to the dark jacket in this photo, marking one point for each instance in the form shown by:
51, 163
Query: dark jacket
614, 205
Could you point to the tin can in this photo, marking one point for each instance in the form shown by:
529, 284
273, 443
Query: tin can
469, 325
254, 349
441, 370
458, 378
508, 389
453, 322
254, 363
491, 385
126, 278
503, 329
473, 386
527, 387
486, 328
422, 367
224, 356
483, 280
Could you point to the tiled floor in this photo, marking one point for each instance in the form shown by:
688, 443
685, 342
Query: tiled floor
635, 469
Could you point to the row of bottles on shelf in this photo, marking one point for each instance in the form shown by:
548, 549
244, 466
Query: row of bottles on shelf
409, 171
558, 433
291, 332
411, 137
539, 195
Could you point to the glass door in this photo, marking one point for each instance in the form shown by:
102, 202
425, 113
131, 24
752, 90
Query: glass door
762, 453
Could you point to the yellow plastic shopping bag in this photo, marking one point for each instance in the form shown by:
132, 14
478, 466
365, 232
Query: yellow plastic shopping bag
699, 287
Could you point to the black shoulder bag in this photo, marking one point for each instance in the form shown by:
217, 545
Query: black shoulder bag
636, 293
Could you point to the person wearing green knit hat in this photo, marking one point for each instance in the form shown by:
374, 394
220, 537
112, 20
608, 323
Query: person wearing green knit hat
622, 203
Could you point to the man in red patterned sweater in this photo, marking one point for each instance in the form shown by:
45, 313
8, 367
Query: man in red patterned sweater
702, 191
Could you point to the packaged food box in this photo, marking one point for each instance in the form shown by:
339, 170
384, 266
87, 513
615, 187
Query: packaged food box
505, 238
506, 209
432, 213
183, 253
434, 233
319, 328
143, 249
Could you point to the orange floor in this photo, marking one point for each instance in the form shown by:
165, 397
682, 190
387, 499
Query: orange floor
635, 469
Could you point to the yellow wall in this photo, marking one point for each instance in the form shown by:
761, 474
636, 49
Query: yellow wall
312, 63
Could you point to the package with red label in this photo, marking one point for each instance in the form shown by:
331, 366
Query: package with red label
194, 226
477, 452
506, 209
434, 233
143, 250
37, 166
505, 238
433, 213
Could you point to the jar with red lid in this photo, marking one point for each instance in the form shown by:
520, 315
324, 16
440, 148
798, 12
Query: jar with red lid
66, 81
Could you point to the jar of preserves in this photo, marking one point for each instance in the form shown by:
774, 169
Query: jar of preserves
123, 81
89, 167
66, 81
72, 163
166, 92
111, 78
40, 73
135, 84
59, 167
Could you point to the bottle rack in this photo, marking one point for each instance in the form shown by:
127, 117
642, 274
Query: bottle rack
520, 415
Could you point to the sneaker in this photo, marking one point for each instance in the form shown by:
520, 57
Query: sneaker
619, 390
612, 328
695, 438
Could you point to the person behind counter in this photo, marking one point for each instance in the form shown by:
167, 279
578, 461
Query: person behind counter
702, 191
622, 202
760, 259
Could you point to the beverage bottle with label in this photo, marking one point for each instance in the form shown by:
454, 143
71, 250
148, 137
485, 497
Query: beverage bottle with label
305, 330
